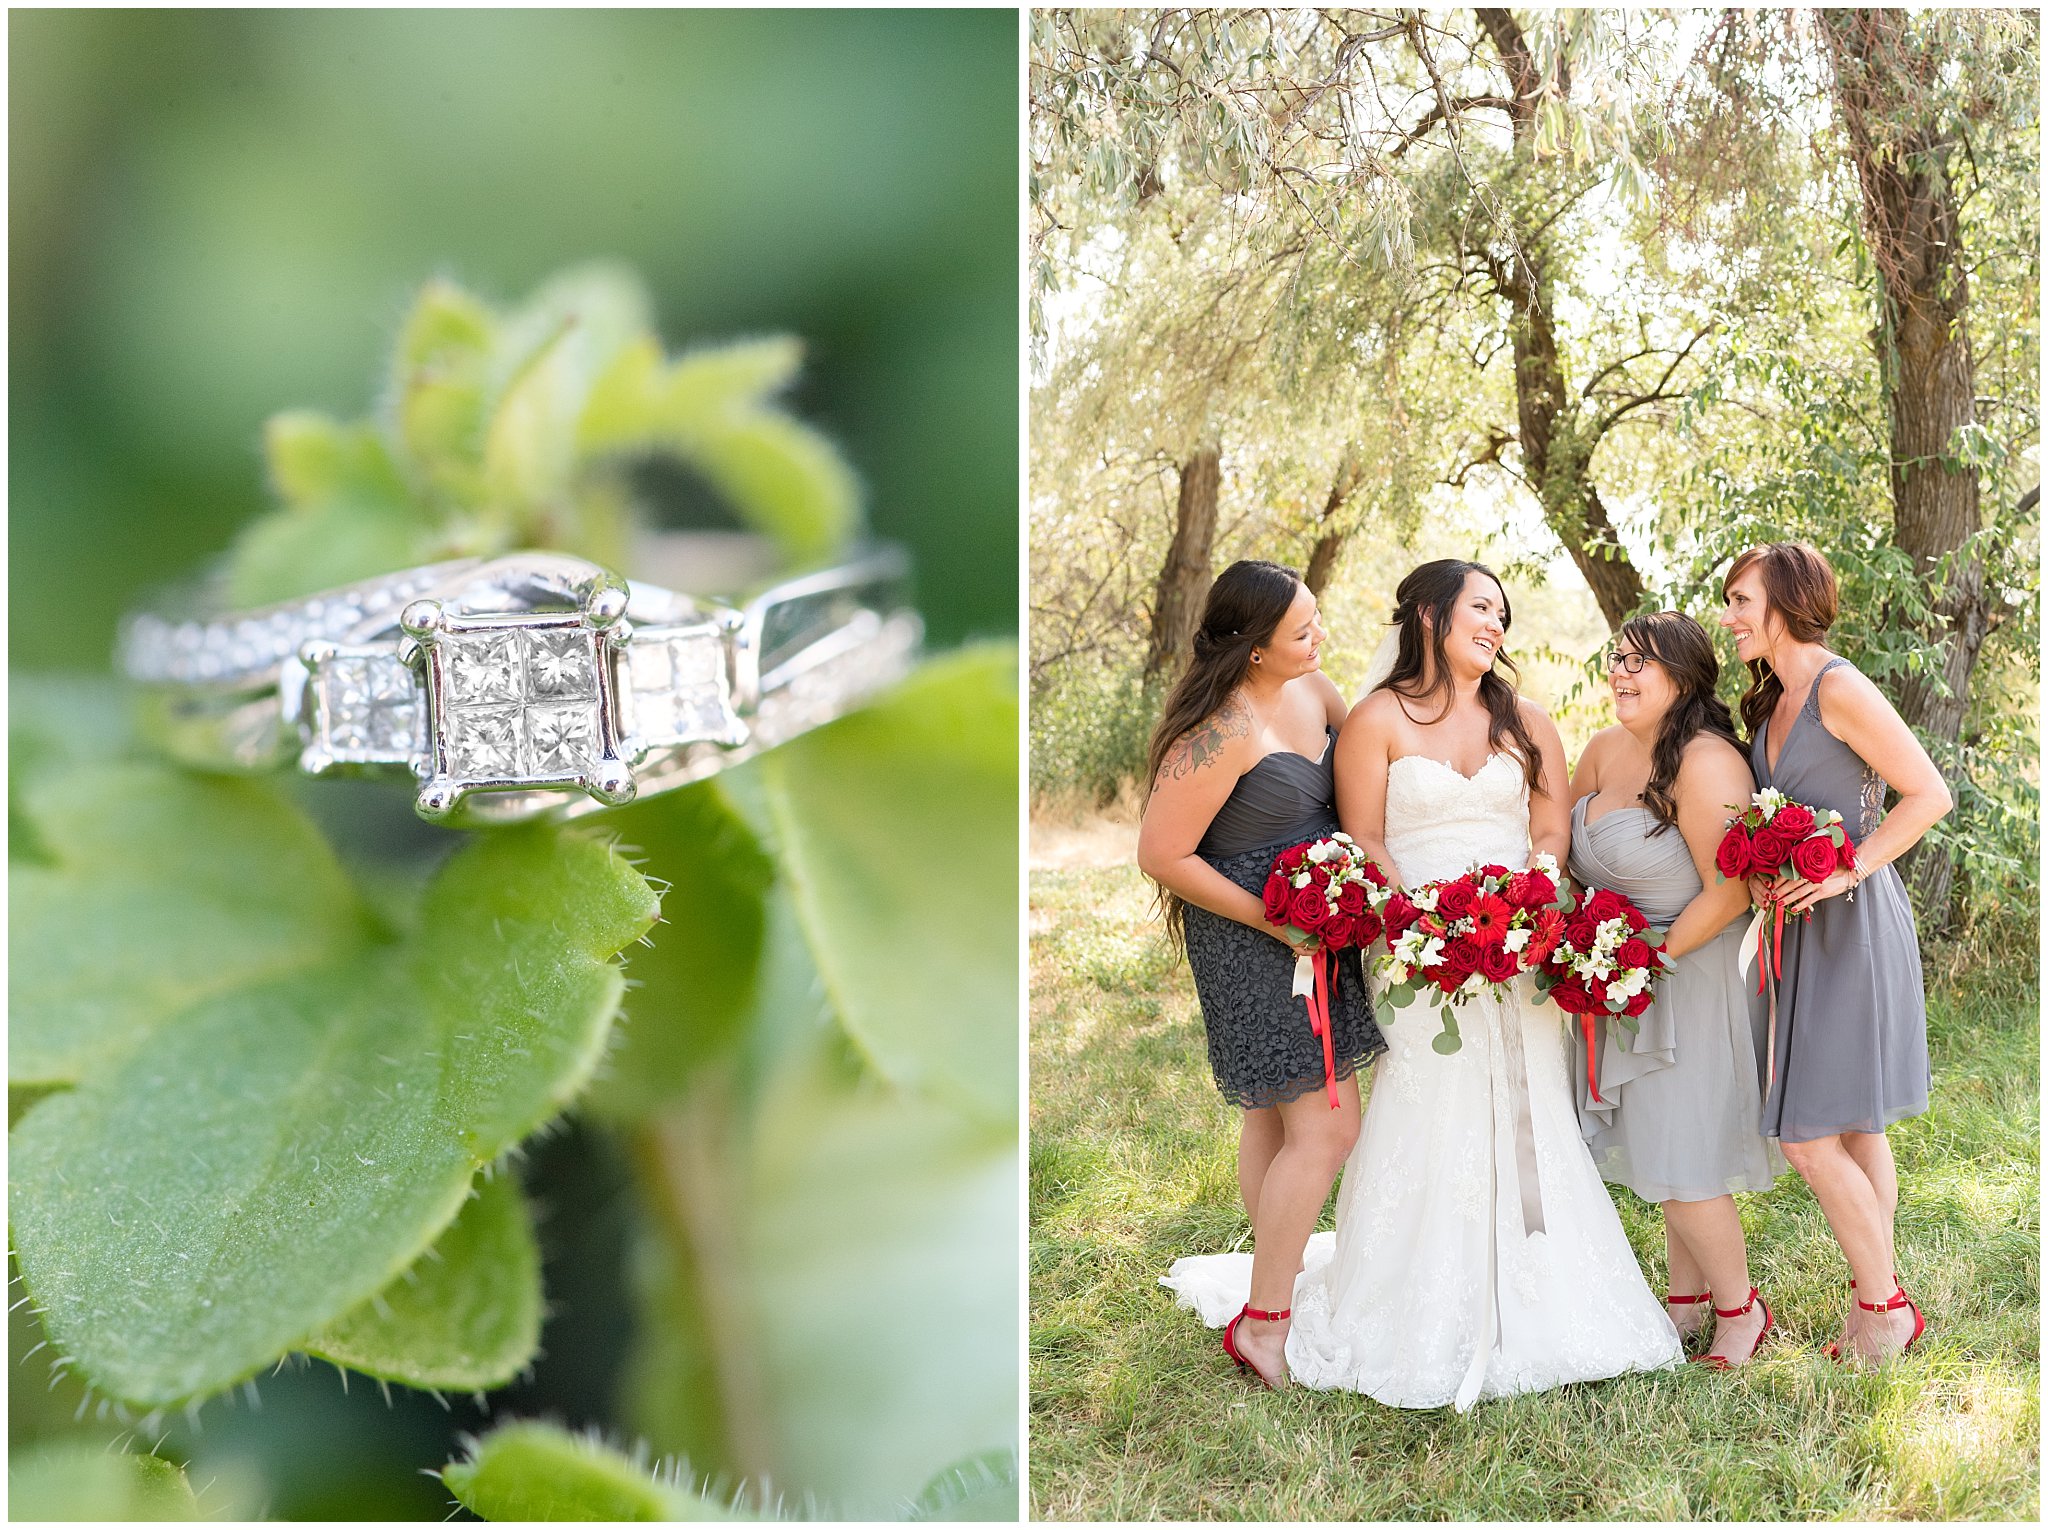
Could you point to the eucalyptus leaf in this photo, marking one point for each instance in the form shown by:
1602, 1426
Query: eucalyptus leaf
84, 1480
532, 1471
465, 1315
898, 830
248, 1156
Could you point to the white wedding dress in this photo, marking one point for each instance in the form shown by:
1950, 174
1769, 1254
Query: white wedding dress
1476, 1253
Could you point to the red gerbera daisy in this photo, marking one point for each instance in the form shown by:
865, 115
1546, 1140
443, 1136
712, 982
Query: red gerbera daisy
1490, 915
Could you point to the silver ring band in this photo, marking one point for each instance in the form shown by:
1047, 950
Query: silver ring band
530, 684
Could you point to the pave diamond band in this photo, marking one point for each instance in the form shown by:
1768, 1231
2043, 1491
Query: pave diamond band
529, 684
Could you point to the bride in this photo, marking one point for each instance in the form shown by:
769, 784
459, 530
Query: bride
1477, 1253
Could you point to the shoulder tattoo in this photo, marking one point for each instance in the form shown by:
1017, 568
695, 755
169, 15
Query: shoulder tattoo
1203, 744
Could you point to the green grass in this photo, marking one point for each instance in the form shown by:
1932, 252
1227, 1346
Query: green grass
1136, 1415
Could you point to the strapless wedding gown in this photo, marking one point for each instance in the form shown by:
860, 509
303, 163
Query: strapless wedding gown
1477, 1253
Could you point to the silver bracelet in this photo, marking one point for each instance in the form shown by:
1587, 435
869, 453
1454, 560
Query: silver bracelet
526, 685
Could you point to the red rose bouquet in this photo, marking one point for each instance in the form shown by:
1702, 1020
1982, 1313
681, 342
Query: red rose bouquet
1326, 888
1773, 835
1605, 965
1468, 935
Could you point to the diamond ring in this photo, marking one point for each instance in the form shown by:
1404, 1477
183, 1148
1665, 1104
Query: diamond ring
534, 683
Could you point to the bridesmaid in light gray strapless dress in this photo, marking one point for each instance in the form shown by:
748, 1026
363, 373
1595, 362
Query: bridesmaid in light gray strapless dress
1680, 1118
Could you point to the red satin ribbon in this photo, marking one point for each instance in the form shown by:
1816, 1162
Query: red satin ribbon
1592, 1070
1318, 1002
1776, 964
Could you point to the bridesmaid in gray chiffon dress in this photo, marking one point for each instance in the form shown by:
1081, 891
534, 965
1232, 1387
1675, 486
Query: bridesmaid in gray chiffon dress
1676, 1118
1680, 1118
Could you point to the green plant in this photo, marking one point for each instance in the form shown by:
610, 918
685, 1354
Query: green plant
272, 1074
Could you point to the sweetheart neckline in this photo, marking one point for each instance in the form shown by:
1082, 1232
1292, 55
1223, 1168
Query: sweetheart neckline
1427, 759
1586, 814
1329, 743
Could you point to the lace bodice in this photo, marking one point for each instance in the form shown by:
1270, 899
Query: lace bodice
1442, 822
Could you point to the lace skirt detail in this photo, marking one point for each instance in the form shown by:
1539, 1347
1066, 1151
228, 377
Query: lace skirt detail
1261, 1049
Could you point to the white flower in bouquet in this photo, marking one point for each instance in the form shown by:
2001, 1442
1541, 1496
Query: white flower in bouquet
1628, 987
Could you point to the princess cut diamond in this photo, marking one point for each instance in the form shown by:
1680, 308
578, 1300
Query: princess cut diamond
483, 743
366, 708
677, 687
483, 668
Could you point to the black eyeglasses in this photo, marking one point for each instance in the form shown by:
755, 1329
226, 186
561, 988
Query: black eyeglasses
1632, 662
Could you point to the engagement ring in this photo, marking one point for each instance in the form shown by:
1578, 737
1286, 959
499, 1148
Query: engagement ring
534, 683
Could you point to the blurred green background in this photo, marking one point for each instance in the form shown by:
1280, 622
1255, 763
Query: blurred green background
218, 214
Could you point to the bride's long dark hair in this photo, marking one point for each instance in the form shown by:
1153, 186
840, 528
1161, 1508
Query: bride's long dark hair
1433, 590
1681, 646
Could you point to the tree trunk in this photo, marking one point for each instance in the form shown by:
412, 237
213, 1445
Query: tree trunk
1910, 219
1184, 576
1330, 535
1322, 560
1557, 450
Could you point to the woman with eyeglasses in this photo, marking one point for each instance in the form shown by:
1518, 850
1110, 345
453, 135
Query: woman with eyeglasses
1676, 1120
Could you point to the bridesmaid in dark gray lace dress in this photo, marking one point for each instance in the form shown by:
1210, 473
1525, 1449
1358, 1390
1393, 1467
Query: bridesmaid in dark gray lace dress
1849, 1052
1240, 769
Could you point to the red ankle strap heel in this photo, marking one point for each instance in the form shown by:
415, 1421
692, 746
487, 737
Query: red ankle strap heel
1899, 1299
1720, 1363
1230, 1341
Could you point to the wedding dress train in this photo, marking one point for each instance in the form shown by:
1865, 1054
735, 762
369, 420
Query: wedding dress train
1477, 1253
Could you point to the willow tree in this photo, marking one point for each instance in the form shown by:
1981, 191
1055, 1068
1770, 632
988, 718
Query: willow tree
1457, 153
1233, 392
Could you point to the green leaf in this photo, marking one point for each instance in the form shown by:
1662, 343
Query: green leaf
898, 830
555, 348
83, 1480
260, 1142
783, 478
464, 1316
867, 1202
153, 892
802, 1234
347, 514
697, 985
712, 409
982, 1488
530, 1471
440, 371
